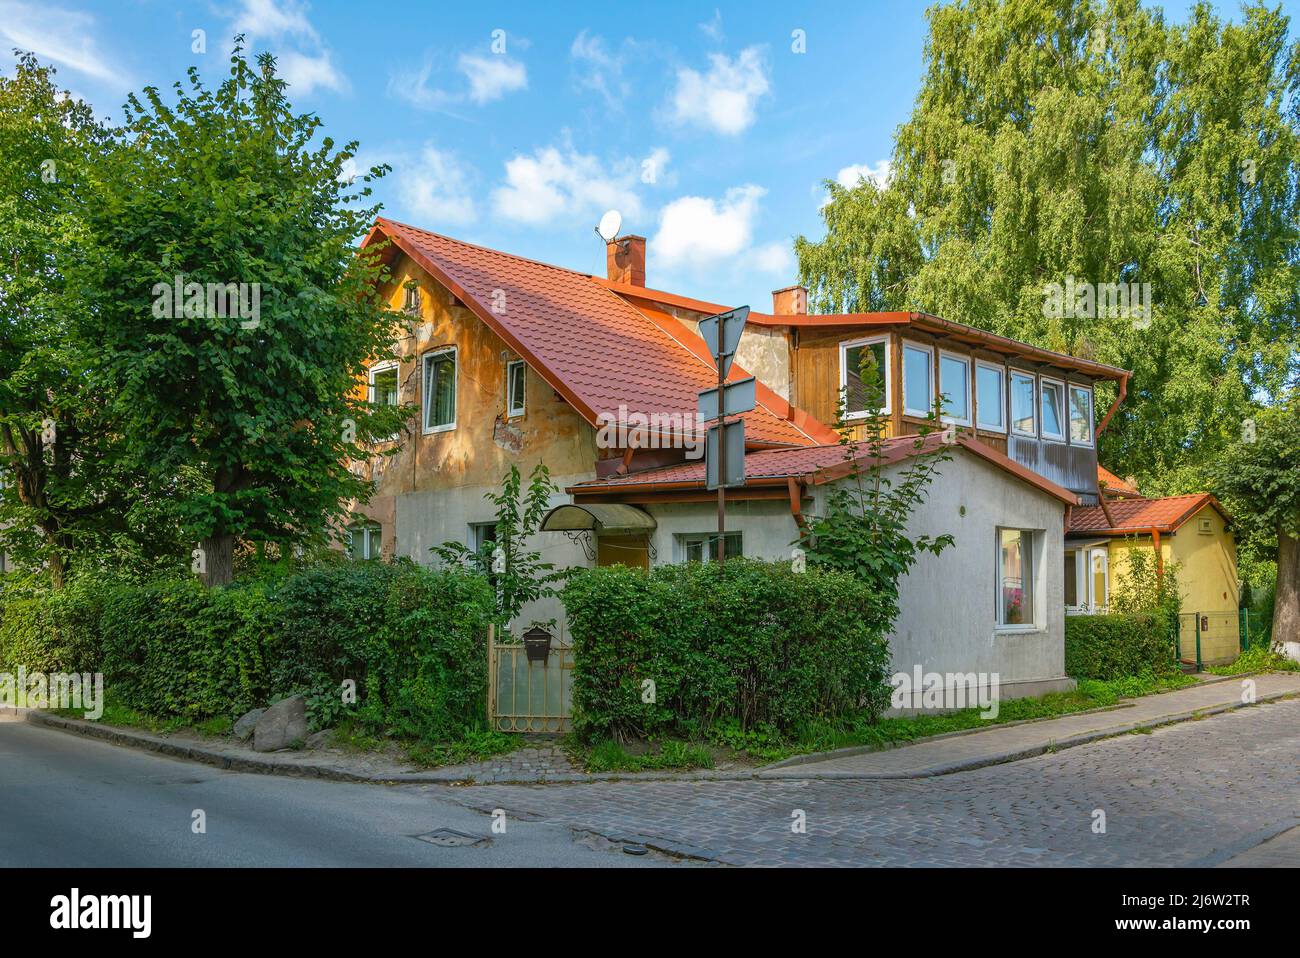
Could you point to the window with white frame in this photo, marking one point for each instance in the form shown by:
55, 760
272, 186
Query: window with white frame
1080, 415
411, 301
1023, 420
918, 380
1052, 405
1087, 579
954, 385
991, 396
364, 540
703, 546
1016, 593
440, 390
515, 381
383, 383
858, 394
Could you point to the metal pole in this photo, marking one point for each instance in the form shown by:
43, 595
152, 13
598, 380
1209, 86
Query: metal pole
1198, 641
722, 458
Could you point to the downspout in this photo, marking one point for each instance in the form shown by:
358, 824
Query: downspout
1160, 559
626, 464
1105, 509
796, 494
1119, 398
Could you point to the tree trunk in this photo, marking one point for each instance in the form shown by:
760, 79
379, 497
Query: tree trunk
58, 570
219, 560
1286, 605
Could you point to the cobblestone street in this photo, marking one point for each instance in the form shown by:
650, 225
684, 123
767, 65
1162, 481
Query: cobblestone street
1197, 793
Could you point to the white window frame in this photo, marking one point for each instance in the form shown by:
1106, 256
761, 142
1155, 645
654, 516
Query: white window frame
372, 540
411, 291
513, 411
844, 373
1012, 376
1002, 396
1062, 416
1104, 554
970, 401
707, 554
379, 367
1069, 388
426, 394
929, 352
1083, 580
1030, 580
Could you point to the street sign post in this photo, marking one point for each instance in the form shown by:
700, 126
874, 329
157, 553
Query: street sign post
721, 333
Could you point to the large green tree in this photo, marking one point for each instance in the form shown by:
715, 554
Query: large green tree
226, 195
1068, 141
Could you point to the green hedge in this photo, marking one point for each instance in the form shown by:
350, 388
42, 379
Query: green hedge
1115, 646
751, 642
412, 639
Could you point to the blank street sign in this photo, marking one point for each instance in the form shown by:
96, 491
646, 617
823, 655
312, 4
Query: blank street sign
735, 440
740, 397
721, 334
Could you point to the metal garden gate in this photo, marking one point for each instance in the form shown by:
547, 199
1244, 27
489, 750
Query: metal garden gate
529, 696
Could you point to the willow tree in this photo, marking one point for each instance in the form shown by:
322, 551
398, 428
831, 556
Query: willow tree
1096, 149
235, 314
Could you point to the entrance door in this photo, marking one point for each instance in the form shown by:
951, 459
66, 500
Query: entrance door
631, 551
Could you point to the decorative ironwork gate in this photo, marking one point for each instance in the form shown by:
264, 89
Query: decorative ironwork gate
529, 696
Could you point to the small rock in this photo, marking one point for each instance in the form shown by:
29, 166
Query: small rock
244, 727
321, 739
281, 725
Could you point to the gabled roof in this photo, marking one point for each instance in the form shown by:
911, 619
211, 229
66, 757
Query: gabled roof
1113, 485
591, 346
923, 322
813, 465
1140, 516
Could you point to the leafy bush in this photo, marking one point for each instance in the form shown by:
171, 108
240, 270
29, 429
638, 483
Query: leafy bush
747, 644
412, 639
1118, 645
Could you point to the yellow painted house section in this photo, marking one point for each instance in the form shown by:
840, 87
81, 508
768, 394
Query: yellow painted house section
1205, 553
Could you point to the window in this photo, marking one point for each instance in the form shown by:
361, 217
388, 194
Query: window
1071, 579
481, 533
918, 386
440, 390
364, 540
1052, 397
854, 390
1023, 422
411, 304
703, 546
1080, 415
515, 388
954, 384
1086, 580
383, 384
991, 396
1098, 594
1015, 596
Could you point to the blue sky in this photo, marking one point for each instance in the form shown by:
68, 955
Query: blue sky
516, 125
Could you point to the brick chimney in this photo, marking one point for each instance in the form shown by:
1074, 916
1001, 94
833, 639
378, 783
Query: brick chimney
791, 301
625, 260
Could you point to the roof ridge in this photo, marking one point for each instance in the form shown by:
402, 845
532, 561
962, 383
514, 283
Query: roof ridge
480, 246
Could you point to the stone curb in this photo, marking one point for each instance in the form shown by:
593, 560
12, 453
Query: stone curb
780, 771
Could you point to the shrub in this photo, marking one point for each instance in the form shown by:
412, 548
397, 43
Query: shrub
1118, 645
413, 640
750, 643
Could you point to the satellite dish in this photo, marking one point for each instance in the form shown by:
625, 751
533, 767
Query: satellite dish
609, 226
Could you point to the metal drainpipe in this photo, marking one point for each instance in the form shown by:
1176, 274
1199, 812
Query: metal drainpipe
1198, 641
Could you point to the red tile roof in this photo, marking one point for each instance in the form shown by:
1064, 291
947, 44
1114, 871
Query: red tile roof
1137, 516
1114, 485
815, 464
590, 345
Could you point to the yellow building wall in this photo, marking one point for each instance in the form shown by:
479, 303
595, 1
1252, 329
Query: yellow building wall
1207, 583
480, 450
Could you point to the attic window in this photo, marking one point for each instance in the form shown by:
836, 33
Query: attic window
515, 388
1204, 527
411, 304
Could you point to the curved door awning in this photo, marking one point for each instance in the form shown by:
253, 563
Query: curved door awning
598, 517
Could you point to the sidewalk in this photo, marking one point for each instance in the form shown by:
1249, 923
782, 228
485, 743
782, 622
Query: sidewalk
1008, 743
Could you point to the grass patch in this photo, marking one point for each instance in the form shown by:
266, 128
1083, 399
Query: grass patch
474, 747
1259, 658
610, 756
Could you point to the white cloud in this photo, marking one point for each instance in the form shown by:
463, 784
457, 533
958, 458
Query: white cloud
776, 258
64, 37
492, 77
879, 174
303, 60
555, 182
701, 230
435, 187
596, 68
713, 28
725, 98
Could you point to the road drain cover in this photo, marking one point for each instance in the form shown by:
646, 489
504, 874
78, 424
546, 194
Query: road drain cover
450, 838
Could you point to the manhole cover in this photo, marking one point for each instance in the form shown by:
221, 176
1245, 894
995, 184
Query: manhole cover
450, 838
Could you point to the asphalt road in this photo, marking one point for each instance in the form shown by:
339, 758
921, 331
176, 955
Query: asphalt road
67, 801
